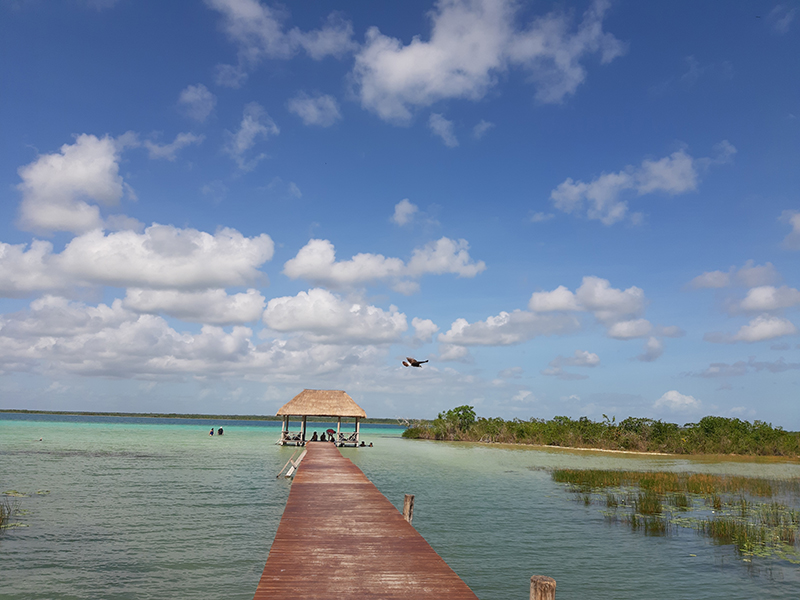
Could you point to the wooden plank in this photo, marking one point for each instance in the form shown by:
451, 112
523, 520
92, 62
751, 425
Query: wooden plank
339, 537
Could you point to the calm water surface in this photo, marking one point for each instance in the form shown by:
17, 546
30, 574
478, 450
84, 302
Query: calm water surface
142, 508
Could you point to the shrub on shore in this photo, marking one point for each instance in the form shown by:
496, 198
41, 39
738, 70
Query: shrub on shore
711, 435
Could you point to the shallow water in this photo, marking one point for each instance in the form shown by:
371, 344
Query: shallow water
143, 508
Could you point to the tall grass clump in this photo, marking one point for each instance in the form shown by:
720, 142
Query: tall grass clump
711, 435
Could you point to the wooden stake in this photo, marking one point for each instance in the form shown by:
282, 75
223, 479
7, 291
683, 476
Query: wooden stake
543, 588
408, 507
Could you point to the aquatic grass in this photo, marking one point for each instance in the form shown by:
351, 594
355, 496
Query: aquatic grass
648, 503
656, 503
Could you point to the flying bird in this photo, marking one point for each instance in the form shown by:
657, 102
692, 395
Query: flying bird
413, 362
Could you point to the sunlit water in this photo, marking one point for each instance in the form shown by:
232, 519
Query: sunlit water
141, 508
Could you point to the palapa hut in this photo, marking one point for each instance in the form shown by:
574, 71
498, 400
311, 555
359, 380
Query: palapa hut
320, 403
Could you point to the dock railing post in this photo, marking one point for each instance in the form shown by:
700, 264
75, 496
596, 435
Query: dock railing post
408, 507
543, 588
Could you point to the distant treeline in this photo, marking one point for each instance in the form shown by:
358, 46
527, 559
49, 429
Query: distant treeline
711, 435
188, 416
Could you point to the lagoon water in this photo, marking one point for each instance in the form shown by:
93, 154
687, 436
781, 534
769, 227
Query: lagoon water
124, 508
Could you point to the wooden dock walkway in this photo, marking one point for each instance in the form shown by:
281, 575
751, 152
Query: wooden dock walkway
341, 538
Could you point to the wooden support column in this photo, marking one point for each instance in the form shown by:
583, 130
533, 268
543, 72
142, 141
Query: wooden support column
338, 428
357, 430
303, 437
543, 588
284, 429
408, 507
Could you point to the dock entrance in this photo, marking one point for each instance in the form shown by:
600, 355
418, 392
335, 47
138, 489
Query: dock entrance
339, 537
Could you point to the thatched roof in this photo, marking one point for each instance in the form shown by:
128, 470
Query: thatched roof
322, 403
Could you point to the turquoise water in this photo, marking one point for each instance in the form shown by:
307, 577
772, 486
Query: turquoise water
138, 508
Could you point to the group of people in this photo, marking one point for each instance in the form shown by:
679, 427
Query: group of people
219, 431
329, 437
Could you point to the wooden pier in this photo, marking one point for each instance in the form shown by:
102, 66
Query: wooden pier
341, 538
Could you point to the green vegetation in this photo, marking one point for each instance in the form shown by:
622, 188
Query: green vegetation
738, 511
711, 435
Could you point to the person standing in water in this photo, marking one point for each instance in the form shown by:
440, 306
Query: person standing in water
219, 431
211, 432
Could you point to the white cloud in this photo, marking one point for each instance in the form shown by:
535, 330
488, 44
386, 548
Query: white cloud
169, 151
711, 280
404, 212
602, 199
444, 256
256, 123
749, 275
507, 329
213, 306
677, 402
163, 257
792, 241
328, 319
759, 329
197, 102
444, 129
55, 187
627, 330
453, 353
652, 350
471, 44
23, 271
581, 358
522, 396
316, 262
322, 110
560, 298
781, 18
424, 330
541, 217
619, 310
259, 33
481, 129
769, 298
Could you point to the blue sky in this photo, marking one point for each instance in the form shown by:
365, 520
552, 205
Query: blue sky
568, 208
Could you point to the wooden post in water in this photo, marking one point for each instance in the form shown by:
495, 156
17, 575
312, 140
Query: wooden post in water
543, 588
408, 507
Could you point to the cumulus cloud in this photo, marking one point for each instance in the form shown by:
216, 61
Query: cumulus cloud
260, 33
748, 275
256, 124
444, 129
404, 212
792, 241
653, 349
214, 306
169, 151
197, 102
58, 336
759, 329
316, 262
769, 298
322, 110
162, 257
677, 402
55, 187
507, 329
471, 44
454, 353
610, 306
603, 198
581, 358
329, 319
424, 330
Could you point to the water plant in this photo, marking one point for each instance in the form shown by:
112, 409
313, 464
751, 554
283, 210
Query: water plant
735, 511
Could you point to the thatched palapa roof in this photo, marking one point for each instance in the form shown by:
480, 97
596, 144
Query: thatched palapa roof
322, 403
